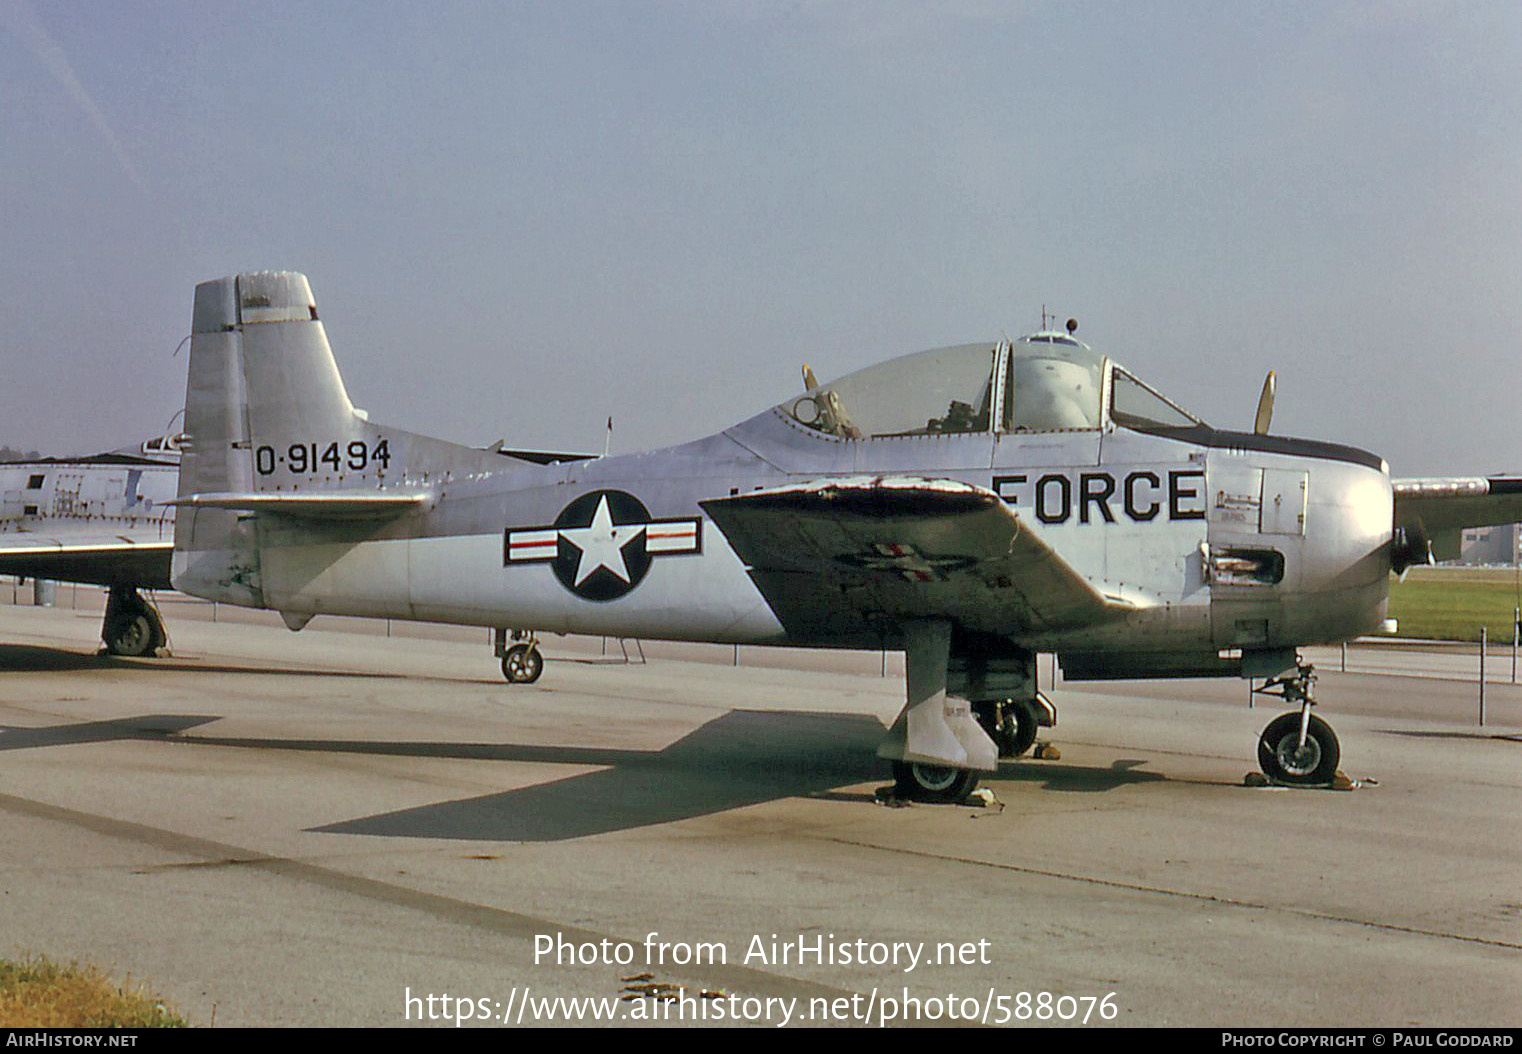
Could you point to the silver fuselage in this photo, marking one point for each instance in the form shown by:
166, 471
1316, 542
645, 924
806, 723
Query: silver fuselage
1149, 533
1233, 543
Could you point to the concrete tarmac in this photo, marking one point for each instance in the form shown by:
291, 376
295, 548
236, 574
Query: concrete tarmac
343, 828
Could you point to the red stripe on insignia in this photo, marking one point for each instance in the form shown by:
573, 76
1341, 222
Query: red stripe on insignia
533, 545
672, 537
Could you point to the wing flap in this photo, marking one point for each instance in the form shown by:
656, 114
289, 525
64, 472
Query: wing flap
834, 556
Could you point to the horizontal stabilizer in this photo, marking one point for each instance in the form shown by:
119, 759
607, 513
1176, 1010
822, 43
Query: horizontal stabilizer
334, 504
539, 457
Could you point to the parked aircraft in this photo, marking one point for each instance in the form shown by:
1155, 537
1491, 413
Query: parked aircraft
108, 520
100, 520
971, 505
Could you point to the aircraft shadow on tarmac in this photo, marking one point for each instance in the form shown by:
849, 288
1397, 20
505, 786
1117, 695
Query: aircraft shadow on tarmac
1077, 779
28, 658
1478, 734
742, 758
147, 726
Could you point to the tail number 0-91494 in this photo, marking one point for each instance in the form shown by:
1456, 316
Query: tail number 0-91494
314, 458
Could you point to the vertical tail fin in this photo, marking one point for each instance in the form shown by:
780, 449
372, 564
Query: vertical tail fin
292, 386
261, 375
272, 433
262, 386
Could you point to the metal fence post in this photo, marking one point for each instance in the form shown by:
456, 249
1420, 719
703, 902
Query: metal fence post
1482, 676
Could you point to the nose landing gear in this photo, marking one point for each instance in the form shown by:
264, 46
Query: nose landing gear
1298, 749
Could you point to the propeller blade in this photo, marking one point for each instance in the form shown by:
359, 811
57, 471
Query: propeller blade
1265, 406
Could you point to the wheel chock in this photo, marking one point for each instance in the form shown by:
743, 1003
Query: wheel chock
1340, 781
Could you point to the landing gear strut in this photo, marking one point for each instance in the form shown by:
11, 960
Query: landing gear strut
132, 626
1011, 723
1299, 749
521, 661
936, 745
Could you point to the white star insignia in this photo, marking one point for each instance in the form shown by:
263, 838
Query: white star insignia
602, 543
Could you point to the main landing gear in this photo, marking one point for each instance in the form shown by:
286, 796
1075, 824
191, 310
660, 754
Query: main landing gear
971, 700
1298, 749
1013, 723
519, 651
936, 746
132, 626
932, 782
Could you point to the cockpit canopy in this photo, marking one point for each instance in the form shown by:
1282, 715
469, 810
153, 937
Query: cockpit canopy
1047, 382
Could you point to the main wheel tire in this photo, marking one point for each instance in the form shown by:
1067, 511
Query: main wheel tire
1011, 724
131, 634
1285, 761
932, 782
522, 664
1019, 730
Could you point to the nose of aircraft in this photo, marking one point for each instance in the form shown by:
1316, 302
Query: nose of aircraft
1347, 549
1300, 544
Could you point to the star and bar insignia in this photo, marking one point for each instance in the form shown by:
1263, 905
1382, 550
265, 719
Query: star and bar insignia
602, 544
907, 561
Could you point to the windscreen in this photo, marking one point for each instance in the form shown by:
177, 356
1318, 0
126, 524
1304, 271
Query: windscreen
1134, 405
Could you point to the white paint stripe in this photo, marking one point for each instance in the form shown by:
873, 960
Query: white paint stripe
672, 537
532, 545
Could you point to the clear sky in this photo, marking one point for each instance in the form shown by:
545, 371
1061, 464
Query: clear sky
520, 218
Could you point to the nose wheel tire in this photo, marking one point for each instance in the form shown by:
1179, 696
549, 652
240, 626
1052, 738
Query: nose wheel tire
522, 664
932, 782
1285, 760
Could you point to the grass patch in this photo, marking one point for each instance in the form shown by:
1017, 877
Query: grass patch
37, 993
1453, 605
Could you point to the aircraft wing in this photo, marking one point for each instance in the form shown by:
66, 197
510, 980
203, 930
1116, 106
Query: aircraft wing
838, 555
117, 559
1441, 508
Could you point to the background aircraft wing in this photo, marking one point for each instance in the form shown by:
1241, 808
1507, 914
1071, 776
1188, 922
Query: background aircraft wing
838, 555
100, 559
1441, 508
